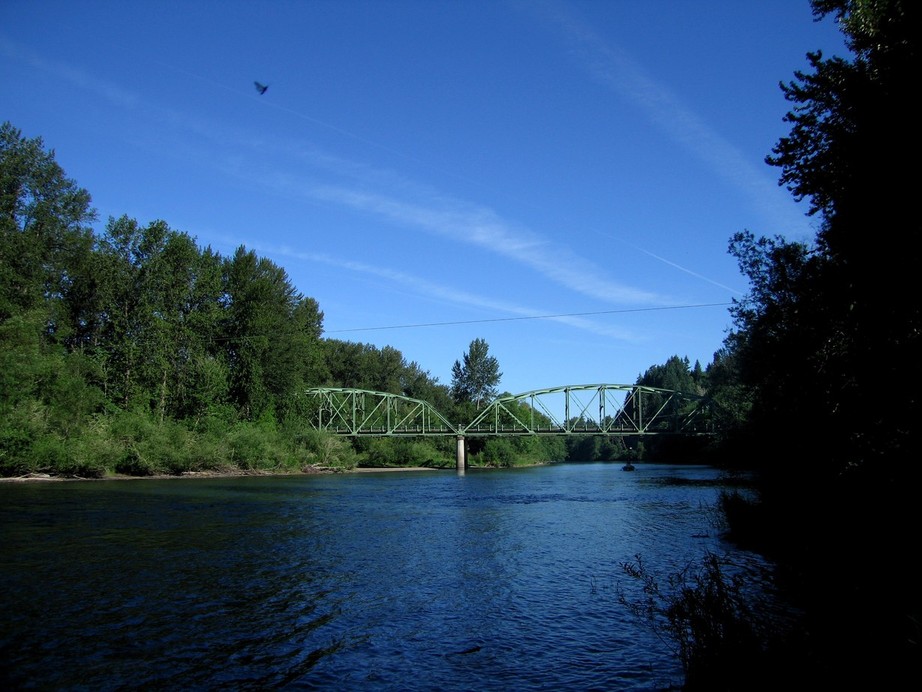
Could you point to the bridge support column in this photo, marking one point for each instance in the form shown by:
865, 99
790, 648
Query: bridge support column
462, 456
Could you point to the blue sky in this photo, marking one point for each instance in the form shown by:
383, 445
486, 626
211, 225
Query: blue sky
560, 179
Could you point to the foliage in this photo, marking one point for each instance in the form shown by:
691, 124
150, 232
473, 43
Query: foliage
705, 615
733, 402
271, 334
829, 337
506, 452
843, 314
135, 351
476, 376
596, 448
396, 452
365, 366
328, 452
675, 374
44, 229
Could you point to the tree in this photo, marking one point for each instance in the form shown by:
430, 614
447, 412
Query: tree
270, 331
417, 383
135, 350
786, 344
476, 378
201, 368
732, 399
853, 122
364, 366
829, 337
46, 393
840, 318
674, 374
131, 305
44, 225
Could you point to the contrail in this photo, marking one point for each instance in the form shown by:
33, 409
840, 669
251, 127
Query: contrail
687, 271
671, 263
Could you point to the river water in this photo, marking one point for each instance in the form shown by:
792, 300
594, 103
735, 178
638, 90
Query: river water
429, 580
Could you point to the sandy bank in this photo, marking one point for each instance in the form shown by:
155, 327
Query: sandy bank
47, 477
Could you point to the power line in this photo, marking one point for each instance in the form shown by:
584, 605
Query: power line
531, 317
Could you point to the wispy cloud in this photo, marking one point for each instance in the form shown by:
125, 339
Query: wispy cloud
69, 73
439, 292
616, 70
302, 169
387, 196
688, 271
466, 223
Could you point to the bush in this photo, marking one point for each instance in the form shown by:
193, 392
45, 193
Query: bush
95, 453
394, 452
254, 447
706, 619
327, 451
15, 448
498, 452
49, 452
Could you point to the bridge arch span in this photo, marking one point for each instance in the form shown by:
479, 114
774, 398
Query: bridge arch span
356, 412
601, 409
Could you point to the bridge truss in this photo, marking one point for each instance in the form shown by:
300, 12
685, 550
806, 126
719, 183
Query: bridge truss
357, 412
593, 409
597, 409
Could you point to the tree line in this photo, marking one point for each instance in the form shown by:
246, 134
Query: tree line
134, 350
820, 379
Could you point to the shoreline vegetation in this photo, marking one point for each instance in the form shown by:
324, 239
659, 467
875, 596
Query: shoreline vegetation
232, 473
240, 473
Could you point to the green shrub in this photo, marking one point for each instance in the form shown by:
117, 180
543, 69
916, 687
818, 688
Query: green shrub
49, 453
498, 452
15, 448
96, 453
704, 615
212, 452
248, 446
324, 450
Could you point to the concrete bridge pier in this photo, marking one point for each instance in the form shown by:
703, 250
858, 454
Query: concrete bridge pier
462, 456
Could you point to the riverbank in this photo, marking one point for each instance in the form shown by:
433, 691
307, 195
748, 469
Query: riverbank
235, 473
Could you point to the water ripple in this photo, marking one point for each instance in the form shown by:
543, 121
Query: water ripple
490, 581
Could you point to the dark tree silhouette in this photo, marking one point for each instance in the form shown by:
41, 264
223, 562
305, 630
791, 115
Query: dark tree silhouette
829, 339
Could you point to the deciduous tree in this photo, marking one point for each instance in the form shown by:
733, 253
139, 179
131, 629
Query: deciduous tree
44, 225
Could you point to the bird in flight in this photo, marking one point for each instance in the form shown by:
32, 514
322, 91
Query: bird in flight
261, 88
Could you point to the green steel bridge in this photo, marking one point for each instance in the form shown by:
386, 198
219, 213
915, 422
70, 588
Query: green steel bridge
590, 409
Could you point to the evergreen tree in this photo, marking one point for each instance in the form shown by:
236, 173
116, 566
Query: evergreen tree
476, 378
674, 374
828, 340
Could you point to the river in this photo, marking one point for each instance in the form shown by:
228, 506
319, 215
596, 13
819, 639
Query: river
431, 580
